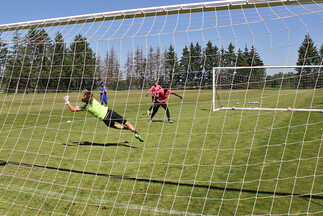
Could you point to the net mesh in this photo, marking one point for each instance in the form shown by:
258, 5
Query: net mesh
235, 161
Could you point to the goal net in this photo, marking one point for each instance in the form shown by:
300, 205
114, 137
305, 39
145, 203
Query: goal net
256, 63
267, 88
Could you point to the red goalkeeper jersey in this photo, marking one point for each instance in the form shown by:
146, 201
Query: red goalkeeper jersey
154, 89
162, 95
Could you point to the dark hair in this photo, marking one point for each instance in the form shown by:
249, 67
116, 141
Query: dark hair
88, 97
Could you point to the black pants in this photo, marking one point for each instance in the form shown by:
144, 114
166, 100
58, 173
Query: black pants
111, 117
153, 99
156, 107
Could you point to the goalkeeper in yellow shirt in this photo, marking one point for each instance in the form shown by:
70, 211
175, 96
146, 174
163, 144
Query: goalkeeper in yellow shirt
109, 117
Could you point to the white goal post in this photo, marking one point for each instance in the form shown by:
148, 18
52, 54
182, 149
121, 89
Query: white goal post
255, 104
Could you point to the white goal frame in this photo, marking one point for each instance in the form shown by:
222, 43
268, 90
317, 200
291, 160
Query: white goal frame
152, 11
216, 72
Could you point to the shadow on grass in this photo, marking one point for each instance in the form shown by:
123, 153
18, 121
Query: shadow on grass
158, 121
212, 187
86, 143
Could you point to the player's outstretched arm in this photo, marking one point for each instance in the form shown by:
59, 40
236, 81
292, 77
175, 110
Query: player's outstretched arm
70, 106
177, 95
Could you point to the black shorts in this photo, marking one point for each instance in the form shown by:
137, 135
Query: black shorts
112, 117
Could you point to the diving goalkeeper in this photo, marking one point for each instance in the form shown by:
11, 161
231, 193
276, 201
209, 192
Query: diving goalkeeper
109, 117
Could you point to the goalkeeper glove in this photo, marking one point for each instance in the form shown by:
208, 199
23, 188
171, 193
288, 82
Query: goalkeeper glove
181, 97
147, 95
66, 98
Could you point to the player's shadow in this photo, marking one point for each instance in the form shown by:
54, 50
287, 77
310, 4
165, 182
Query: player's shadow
158, 121
86, 143
167, 182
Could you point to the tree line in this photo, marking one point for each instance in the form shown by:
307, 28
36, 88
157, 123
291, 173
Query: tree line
35, 62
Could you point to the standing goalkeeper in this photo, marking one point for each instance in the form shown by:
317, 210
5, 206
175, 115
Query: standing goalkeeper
161, 97
109, 117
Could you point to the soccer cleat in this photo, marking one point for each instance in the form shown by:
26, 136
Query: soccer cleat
170, 121
148, 113
150, 120
139, 137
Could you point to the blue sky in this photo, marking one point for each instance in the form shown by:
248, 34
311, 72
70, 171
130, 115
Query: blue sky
13, 11
276, 32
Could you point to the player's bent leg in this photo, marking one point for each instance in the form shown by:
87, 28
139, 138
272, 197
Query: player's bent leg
119, 127
130, 127
155, 110
167, 113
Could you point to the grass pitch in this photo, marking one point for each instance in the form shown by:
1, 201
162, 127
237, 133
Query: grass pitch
226, 162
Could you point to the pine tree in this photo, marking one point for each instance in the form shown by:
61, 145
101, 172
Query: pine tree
184, 66
257, 76
14, 68
211, 60
242, 75
3, 58
38, 54
83, 60
60, 72
171, 64
196, 62
230, 56
308, 55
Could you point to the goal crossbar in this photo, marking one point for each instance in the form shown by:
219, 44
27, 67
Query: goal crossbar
153, 11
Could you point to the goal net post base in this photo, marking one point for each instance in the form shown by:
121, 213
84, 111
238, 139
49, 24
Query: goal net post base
268, 109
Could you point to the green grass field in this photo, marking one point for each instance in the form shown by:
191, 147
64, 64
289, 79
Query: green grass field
226, 162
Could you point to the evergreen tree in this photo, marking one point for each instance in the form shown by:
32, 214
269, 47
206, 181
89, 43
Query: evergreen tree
196, 62
171, 64
60, 72
257, 76
241, 59
242, 75
14, 68
38, 54
211, 60
230, 56
83, 60
184, 66
308, 55
3, 57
